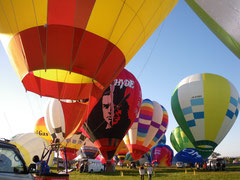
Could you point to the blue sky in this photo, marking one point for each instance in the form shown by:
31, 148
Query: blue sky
180, 47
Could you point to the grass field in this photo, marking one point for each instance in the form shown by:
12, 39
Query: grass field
231, 172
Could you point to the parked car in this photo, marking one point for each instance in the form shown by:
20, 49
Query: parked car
12, 164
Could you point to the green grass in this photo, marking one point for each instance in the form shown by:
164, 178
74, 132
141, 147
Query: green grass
232, 172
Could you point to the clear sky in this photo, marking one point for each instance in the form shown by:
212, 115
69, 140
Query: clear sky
181, 46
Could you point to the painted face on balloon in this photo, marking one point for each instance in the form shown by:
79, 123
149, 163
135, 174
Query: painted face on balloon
117, 114
107, 109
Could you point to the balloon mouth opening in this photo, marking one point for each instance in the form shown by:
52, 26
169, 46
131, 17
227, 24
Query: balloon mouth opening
82, 101
65, 76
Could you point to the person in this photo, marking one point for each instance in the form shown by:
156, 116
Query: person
142, 171
41, 166
149, 171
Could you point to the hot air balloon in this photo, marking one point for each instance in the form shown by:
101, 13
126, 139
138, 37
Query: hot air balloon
121, 151
205, 106
62, 118
149, 126
41, 130
162, 155
114, 113
71, 146
163, 140
88, 150
179, 140
72, 49
188, 155
30, 144
222, 18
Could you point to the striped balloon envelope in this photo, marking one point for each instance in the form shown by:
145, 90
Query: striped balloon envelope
150, 124
206, 107
179, 140
73, 49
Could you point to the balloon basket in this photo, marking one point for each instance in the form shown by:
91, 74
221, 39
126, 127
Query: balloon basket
52, 177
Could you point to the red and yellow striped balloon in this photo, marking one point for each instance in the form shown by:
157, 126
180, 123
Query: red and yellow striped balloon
72, 49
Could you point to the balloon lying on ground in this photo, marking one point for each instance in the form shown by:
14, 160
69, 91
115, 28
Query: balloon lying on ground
72, 145
63, 118
179, 140
74, 56
30, 144
147, 129
114, 113
188, 155
162, 155
41, 130
206, 107
222, 18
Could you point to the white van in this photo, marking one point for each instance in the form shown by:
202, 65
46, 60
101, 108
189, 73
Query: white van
95, 166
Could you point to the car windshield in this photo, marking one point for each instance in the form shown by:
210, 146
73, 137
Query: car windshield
10, 161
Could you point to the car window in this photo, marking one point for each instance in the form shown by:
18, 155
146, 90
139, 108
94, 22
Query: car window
10, 161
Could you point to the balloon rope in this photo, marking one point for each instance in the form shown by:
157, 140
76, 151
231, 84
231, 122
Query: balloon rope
150, 54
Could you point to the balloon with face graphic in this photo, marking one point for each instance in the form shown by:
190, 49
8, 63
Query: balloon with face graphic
114, 114
205, 107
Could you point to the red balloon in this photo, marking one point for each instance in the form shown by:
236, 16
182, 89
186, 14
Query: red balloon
114, 114
162, 155
70, 153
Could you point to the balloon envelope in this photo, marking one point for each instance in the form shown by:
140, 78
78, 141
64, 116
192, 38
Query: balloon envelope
63, 118
114, 113
179, 140
206, 107
147, 129
188, 155
222, 18
41, 129
73, 56
72, 145
163, 140
88, 150
30, 144
162, 155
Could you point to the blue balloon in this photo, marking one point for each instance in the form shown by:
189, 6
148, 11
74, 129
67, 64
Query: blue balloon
188, 155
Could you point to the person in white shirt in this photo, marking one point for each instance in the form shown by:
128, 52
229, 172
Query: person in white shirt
142, 172
149, 171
